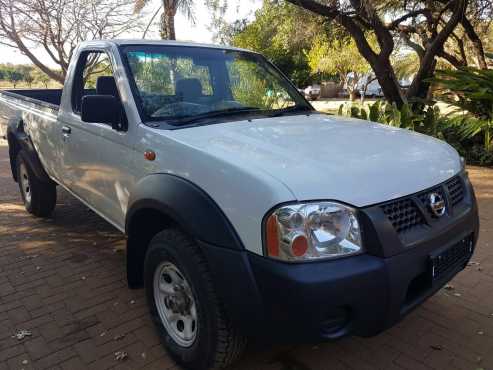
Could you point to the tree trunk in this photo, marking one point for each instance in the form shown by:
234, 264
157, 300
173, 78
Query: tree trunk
385, 75
420, 85
368, 81
168, 23
477, 44
487, 137
380, 63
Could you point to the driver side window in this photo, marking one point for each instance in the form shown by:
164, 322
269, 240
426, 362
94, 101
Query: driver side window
94, 75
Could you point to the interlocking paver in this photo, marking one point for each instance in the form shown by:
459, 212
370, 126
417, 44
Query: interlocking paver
64, 280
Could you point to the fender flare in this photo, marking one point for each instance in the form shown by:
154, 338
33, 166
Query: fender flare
19, 140
162, 200
187, 205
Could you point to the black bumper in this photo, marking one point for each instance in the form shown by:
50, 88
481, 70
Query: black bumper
361, 295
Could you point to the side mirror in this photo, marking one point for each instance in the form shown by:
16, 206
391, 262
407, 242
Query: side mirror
101, 109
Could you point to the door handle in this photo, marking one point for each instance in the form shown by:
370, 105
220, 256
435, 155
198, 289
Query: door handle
66, 130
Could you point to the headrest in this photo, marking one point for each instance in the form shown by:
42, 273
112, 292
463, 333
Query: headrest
106, 85
188, 88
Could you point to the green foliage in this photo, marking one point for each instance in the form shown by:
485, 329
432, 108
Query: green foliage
477, 154
29, 78
470, 90
283, 33
405, 65
41, 78
13, 76
339, 56
388, 114
458, 131
17, 73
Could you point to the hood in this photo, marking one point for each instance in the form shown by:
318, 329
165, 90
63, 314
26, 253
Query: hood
331, 158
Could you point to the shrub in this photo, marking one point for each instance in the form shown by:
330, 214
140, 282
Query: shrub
427, 121
459, 131
470, 90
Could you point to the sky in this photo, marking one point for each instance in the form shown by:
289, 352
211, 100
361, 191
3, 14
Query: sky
184, 30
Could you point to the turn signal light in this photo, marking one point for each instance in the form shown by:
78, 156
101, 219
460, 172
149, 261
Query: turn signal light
295, 244
150, 155
272, 236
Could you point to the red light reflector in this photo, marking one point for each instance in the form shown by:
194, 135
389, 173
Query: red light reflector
299, 246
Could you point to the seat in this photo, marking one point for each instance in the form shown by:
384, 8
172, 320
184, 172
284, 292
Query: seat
106, 85
188, 89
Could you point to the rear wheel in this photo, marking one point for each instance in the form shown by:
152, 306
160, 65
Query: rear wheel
184, 306
39, 197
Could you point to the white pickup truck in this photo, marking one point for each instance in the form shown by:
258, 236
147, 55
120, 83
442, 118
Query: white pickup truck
247, 212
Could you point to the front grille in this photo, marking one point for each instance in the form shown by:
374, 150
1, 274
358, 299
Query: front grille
456, 191
406, 214
451, 257
403, 214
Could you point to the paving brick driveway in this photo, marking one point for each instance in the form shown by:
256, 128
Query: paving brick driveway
63, 279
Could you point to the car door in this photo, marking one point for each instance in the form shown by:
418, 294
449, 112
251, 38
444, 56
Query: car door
95, 154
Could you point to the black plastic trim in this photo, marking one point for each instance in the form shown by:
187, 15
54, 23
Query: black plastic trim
328, 299
188, 205
19, 140
391, 243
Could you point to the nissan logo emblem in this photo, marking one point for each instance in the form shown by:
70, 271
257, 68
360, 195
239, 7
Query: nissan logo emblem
437, 204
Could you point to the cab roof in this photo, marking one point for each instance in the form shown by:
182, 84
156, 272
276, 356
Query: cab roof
125, 42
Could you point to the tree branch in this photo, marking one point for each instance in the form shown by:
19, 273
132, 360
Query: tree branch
428, 62
476, 42
393, 25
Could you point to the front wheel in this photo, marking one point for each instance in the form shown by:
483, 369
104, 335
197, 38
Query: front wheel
39, 197
184, 305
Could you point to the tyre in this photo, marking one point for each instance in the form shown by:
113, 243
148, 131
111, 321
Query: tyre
184, 306
39, 197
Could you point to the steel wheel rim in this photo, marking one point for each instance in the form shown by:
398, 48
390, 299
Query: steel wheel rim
25, 183
175, 304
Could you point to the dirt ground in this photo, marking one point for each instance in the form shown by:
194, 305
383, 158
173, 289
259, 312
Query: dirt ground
63, 280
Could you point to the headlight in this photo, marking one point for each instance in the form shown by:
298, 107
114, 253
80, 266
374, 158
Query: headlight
310, 231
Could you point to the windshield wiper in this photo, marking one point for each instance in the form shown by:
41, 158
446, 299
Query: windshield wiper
214, 114
295, 109
234, 111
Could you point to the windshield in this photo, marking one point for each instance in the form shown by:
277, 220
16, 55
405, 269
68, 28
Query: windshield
184, 84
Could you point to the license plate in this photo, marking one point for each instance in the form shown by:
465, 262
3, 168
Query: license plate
447, 260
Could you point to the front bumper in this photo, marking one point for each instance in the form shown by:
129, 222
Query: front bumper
361, 295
